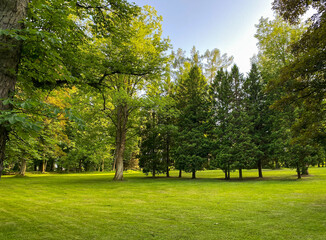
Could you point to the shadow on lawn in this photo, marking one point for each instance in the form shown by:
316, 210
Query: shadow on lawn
107, 179
290, 178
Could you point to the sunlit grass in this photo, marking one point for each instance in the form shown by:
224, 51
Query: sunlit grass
92, 206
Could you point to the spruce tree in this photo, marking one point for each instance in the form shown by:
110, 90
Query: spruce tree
258, 113
221, 94
191, 154
150, 157
242, 146
233, 147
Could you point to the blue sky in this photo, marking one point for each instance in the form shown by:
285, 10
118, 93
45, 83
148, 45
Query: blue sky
228, 25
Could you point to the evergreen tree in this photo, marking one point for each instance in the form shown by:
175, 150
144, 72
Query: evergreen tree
221, 94
150, 157
191, 154
233, 146
158, 130
242, 146
258, 112
167, 130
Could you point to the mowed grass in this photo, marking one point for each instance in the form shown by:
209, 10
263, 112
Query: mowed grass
92, 206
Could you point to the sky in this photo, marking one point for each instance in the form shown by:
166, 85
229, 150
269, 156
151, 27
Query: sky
228, 25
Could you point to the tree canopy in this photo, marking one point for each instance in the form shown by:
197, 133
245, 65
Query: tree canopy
89, 85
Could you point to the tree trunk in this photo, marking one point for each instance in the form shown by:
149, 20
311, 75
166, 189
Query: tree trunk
121, 132
22, 171
86, 166
226, 174
240, 173
260, 169
12, 12
305, 170
79, 166
167, 157
102, 167
44, 163
193, 174
114, 163
51, 165
298, 171
3, 139
167, 172
153, 152
180, 173
277, 165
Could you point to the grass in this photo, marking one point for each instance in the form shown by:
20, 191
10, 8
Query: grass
92, 206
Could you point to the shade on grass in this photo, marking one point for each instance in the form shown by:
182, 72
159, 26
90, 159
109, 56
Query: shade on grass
92, 206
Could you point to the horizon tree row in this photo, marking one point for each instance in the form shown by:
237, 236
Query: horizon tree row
113, 99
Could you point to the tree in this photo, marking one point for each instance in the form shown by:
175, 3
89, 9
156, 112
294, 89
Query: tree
159, 129
303, 78
168, 131
151, 154
274, 41
12, 14
192, 151
290, 81
196, 58
209, 63
221, 94
122, 66
259, 113
20, 152
42, 46
214, 62
291, 10
232, 144
41, 147
93, 140
242, 147
178, 63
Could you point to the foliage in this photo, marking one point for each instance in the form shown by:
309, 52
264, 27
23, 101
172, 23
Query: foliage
276, 38
122, 67
97, 91
303, 79
191, 154
151, 156
210, 62
158, 130
233, 147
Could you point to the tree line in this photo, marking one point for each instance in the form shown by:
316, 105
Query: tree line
89, 85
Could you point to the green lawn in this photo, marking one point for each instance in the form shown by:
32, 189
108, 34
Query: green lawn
92, 206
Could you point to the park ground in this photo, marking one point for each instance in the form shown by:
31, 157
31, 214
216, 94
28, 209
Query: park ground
92, 206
